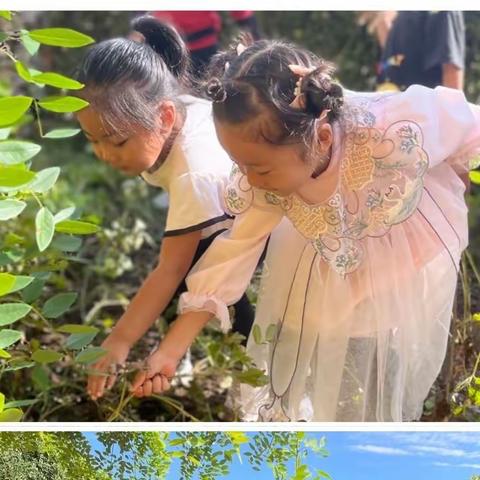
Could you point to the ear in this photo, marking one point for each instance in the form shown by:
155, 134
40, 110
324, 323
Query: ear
168, 115
324, 136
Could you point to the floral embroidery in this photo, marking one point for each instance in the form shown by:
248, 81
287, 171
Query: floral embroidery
238, 198
272, 199
380, 185
235, 203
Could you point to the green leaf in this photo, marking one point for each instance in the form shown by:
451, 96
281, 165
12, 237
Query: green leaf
7, 281
321, 473
11, 312
33, 291
11, 415
6, 14
18, 365
176, 441
12, 108
257, 334
44, 228
4, 133
60, 37
46, 356
4, 354
238, 437
63, 214
21, 403
21, 282
44, 180
253, 377
23, 72
90, 355
15, 176
59, 304
271, 332
76, 328
177, 454
11, 209
475, 177
31, 46
9, 337
77, 341
8, 257
193, 460
2, 402
60, 104
67, 243
76, 227
62, 133
301, 473
40, 377
17, 151
57, 80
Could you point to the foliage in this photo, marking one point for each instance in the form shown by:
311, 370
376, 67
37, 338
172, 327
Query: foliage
65, 452
29, 466
147, 455
34, 236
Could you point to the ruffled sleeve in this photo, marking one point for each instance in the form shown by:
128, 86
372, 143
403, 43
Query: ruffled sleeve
223, 273
449, 124
195, 202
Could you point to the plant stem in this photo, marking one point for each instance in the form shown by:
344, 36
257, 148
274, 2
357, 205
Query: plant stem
122, 403
39, 121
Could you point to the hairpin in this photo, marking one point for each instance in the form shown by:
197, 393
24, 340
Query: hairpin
299, 100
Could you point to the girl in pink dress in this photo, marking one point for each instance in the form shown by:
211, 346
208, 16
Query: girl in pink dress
357, 292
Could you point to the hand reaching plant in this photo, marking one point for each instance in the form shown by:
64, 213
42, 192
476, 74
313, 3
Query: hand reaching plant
104, 372
155, 378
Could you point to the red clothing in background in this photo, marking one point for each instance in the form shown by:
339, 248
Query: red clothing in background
200, 28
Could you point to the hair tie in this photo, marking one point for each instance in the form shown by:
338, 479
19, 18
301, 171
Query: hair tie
216, 91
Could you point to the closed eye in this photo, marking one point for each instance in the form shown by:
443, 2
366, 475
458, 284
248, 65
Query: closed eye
123, 142
264, 173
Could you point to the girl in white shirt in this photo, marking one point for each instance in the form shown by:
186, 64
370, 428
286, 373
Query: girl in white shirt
142, 122
355, 304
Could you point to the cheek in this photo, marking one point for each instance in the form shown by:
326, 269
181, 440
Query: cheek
144, 152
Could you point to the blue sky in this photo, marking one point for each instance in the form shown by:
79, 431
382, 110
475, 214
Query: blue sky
387, 455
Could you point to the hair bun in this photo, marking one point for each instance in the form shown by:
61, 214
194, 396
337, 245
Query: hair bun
321, 94
336, 91
216, 91
165, 41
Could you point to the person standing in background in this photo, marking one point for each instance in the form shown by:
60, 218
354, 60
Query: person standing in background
422, 47
201, 30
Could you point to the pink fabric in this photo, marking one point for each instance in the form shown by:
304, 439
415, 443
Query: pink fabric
362, 277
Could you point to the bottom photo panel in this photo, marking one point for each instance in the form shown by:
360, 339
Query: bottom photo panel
344, 455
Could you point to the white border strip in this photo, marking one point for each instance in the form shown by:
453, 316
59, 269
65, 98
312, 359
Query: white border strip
245, 427
236, 5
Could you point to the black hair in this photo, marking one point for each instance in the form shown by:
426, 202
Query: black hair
126, 78
259, 80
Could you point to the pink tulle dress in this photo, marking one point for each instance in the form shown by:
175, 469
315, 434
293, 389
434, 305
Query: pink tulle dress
356, 295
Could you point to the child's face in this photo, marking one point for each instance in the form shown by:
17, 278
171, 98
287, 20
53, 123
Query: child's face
132, 154
277, 168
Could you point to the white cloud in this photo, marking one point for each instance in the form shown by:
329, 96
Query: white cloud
442, 452
455, 465
380, 450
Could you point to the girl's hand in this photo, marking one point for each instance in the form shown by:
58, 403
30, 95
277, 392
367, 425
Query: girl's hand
155, 379
104, 375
